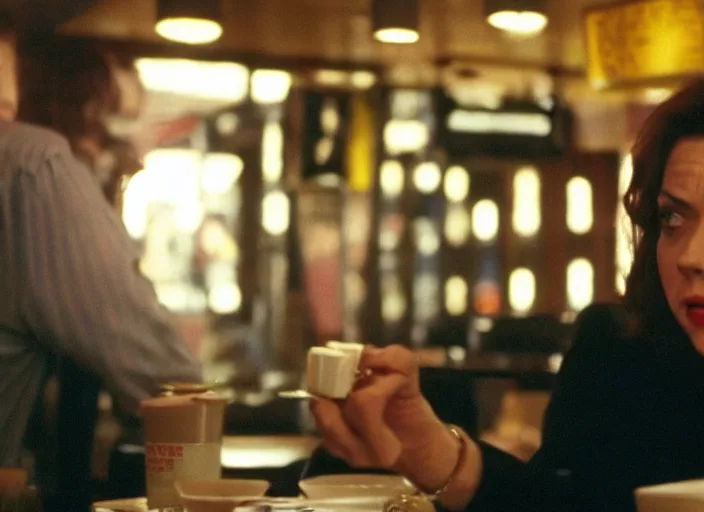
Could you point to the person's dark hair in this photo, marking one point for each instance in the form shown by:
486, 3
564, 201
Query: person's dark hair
67, 85
7, 23
681, 116
120, 159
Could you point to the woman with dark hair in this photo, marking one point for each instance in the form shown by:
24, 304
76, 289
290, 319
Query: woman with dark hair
629, 407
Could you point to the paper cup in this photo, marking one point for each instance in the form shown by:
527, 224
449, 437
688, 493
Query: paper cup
183, 441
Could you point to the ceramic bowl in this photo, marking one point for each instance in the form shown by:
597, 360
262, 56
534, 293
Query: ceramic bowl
218, 495
675, 497
355, 486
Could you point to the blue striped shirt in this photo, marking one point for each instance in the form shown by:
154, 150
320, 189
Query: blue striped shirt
70, 285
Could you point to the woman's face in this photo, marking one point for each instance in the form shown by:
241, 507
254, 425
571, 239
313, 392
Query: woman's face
680, 250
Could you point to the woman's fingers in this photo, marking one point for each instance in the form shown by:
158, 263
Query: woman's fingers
356, 429
365, 413
394, 358
338, 438
335, 449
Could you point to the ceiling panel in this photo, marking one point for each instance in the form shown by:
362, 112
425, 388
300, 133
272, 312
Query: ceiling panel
37, 15
340, 31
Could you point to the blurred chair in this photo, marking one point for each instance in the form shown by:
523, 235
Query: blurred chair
519, 424
541, 334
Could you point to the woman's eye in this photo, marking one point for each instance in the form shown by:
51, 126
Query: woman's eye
670, 219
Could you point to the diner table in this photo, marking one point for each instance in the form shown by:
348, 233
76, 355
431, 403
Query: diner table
249, 456
252, 452
128, 505
263, 457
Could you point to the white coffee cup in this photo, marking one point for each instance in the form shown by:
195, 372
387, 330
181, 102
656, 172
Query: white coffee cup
353, 349
330, 372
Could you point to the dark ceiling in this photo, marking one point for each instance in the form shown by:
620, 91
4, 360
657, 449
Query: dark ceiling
40, 15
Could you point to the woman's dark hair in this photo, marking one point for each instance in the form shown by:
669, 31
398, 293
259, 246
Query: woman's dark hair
681, 116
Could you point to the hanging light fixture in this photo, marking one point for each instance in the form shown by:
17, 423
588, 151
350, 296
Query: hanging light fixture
189, 21
517, 17
395, 21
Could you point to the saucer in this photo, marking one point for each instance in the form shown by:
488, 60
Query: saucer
296, 394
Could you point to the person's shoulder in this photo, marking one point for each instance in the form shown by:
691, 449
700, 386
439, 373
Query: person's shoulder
605, 344
32, 135
607, 328
28, 146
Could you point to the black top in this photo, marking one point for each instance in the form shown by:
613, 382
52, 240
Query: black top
628, 412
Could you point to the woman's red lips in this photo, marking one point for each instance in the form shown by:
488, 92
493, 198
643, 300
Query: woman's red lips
695, 310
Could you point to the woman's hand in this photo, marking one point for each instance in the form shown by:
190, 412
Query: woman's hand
387, 423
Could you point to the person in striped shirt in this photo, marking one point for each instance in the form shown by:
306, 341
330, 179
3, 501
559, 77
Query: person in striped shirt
70, 280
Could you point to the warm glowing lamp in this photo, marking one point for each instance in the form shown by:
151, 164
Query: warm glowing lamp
188, 21
517, 17
395, 21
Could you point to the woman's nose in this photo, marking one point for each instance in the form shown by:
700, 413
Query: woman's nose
691, 261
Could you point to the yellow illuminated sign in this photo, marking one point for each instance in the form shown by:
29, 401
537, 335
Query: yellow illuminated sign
360, 150
644, 41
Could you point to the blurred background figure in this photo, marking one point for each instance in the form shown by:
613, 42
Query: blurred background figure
56, 204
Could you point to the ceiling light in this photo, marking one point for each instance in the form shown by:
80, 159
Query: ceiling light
189, 22
395, 21
517, 17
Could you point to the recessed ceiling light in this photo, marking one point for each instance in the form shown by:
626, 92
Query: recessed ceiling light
395, 21
517, 17
189, 22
